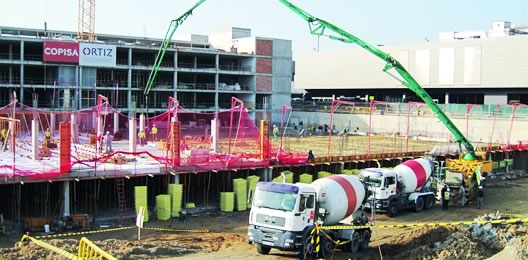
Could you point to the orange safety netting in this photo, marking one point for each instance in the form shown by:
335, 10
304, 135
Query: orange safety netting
235, 144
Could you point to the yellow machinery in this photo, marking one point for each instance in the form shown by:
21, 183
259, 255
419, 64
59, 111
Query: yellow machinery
468, 173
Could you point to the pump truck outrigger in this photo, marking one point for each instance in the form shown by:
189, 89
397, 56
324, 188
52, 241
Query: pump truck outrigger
284, 216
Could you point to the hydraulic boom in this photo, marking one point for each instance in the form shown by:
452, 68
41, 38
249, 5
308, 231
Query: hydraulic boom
318, 27
161, 53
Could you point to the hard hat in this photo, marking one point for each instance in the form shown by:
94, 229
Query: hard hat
480, 187
107, 132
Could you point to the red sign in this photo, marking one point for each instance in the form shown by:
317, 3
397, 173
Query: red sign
61, 52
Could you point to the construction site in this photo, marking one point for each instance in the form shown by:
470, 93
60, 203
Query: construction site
202, 153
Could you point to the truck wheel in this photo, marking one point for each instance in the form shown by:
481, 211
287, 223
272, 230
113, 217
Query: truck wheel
392, 210
327, 248
419, 207
429, 202
353, 246
365, 239
263, 250
308, 251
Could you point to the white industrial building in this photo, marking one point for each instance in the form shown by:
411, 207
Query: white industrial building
486, 67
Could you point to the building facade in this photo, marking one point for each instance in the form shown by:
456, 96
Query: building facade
469, 67
52, 70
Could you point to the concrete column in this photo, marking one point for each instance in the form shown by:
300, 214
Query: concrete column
11, 127
52, 123
215, 130
100, 124
175, 84
10, 66
78, 93
447, 98
21, 96
116, 122
142, 122
129, 84
34, 139
74, 129
217, 79
340, 167
132, 136
176, 179
266, 173
66, 195
98, 132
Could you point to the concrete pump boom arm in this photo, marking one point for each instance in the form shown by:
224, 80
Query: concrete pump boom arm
318, 27
165, 45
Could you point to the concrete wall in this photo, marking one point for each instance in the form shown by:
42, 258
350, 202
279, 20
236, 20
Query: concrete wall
282, 75
474, 63
480, 129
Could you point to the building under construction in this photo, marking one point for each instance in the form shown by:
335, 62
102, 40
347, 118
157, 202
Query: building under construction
52, 70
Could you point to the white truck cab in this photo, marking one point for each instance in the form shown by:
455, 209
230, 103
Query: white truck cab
279, 215
382, 183
388, 192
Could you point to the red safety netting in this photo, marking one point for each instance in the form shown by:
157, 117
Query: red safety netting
234, 144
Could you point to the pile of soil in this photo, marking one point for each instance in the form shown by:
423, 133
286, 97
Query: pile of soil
462, 242
128, 249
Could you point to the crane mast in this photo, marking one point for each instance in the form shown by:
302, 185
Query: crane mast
319, 27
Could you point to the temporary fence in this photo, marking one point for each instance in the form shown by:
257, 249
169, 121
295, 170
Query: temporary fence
452, 110
86, 250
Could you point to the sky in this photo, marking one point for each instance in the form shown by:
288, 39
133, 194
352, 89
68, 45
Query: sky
377, 21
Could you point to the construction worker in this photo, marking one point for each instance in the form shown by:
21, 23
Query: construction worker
311, 156
480, 197
275, 132
109, 138
142, 136
154, 133
446, 192
3, 138
47, 136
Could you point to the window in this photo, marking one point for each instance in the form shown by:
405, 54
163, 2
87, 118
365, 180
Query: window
389, 181
306, 202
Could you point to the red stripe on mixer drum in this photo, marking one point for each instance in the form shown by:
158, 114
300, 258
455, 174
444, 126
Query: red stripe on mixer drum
418, 170
349, 190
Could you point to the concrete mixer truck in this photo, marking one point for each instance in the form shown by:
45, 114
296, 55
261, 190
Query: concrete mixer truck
283, 215
406, 186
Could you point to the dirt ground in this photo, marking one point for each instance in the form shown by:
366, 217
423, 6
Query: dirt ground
352, 145
227, 239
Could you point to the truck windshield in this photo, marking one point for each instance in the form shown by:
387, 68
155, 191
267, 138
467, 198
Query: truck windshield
275, 200
373, 181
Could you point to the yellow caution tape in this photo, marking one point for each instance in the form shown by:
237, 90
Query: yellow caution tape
179, 230
85, 232
437, 224
47, 246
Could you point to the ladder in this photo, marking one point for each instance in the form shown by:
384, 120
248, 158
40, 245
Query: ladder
121, 198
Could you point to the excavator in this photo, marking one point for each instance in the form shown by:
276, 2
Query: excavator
467, 170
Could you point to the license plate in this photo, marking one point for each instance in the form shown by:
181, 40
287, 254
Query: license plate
266, 243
